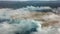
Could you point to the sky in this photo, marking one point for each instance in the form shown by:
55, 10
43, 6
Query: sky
29, 0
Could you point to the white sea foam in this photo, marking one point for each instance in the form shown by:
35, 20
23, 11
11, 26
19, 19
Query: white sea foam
14, 26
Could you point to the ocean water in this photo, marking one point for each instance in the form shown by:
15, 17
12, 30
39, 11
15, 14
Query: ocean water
18, 4
28, 17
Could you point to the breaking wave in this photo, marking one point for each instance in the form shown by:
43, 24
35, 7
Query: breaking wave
14, 21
